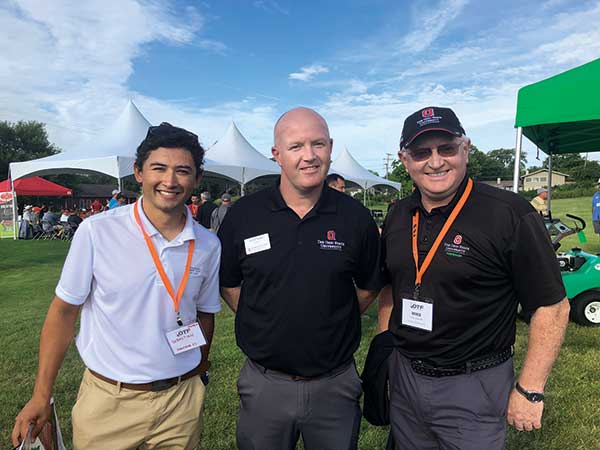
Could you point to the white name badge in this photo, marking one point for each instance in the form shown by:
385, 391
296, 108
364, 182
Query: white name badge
257, 244
417, 314
186, 338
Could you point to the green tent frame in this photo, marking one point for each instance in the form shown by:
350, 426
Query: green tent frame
560, 115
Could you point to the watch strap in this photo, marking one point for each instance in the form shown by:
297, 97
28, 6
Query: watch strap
533, 397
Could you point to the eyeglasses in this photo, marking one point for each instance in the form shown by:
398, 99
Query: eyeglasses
424, 153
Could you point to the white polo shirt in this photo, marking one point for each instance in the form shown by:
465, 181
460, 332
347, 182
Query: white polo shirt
126, 308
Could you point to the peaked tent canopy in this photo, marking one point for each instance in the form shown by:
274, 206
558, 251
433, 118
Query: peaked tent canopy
36, 186
236, 158
350, 169
111, 153
562, 114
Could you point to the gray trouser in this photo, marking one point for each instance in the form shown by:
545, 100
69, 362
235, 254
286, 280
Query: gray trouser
461, 412
275, 410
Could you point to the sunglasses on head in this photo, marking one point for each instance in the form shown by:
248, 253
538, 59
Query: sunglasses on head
424, 153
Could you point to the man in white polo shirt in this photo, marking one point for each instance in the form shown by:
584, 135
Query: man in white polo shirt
145, 277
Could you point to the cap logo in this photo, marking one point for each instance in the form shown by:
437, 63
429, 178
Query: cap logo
457, 239
427, 112
331, 235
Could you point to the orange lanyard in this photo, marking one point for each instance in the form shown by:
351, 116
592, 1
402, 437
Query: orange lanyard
161, 270
415, 231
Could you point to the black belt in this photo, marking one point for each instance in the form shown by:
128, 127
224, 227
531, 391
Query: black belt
335, 371
422, 368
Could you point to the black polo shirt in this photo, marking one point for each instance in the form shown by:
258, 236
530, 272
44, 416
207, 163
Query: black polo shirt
298, 311
496, 254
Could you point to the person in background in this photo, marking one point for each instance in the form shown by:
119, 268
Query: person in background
596, 208
64, 217
336, 182
121, 200
114, 202
205, 210
194, 205
26, 225
217, 216
539, 201
96, 206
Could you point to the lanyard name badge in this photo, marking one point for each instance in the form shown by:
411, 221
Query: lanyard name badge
417, 312
185, 337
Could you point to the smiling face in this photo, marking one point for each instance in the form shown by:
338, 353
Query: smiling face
303, 150
168, 177
437, 177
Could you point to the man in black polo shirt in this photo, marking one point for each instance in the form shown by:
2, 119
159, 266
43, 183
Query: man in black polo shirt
460, 256
298, 266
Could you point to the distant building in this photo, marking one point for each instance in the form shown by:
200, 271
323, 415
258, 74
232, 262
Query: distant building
539, 179
506, 185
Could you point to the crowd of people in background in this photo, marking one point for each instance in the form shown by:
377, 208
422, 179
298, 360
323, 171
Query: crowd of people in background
48, 222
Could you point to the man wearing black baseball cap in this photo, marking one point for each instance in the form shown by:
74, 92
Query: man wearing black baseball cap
460, 256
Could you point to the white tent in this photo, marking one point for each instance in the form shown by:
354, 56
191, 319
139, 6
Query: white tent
112, 153
350, 169
236, 158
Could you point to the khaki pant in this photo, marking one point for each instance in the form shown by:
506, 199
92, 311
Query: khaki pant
109, 417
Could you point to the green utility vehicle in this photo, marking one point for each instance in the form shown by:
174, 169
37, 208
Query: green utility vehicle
561, 115
580, 272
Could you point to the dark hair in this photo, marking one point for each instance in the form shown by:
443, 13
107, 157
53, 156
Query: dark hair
333, 178
167, 136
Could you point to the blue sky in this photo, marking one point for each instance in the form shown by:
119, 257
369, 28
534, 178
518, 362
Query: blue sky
364, 65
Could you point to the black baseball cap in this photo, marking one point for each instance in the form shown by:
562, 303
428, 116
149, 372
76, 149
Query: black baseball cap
432, 118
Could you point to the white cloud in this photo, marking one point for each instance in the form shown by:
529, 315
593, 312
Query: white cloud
271, 6
67, 64
430, 22
307, 73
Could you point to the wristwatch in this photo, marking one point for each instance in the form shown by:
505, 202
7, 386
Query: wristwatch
533, 397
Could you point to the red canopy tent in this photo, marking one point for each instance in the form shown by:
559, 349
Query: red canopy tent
36, 186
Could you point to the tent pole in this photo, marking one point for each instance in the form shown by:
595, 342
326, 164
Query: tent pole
120, 184
517, 171
243, 182
549, 182
14, 206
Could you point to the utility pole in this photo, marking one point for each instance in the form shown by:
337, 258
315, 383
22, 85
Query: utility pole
387, 159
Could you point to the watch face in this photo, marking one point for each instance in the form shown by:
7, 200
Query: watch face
535, 397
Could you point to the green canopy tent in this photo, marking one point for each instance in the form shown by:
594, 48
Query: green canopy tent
560, 115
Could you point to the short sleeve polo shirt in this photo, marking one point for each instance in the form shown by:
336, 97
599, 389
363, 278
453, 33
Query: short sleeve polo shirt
496, 254
126, 308
298, 311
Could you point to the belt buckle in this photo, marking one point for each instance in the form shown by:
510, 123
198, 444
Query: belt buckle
161, 385
299, 378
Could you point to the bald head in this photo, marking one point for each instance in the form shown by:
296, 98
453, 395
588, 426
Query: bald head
294, 116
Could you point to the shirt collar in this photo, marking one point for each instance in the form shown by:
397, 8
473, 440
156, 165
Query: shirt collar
187, 234
415, 200
326, 203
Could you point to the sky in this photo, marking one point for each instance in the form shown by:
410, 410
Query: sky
365, 65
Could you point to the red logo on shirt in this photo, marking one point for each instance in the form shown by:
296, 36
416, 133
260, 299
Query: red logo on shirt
331, 235
427, 112
458, 239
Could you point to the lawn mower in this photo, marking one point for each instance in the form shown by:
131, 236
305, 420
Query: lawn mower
580, 271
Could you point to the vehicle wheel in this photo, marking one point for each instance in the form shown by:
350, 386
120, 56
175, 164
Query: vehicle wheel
586, 309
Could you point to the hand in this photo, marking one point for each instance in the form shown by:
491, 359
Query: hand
522, 414
36, 412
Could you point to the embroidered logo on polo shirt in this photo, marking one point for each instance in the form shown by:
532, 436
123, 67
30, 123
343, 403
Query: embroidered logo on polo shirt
456, 249
331, 243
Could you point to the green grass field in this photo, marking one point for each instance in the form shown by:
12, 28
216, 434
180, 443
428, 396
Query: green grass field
29, 271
